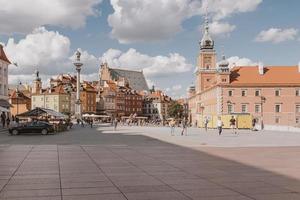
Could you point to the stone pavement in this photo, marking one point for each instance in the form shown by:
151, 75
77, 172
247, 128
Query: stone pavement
137, 167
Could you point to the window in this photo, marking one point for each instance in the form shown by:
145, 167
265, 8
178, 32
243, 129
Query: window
257, 93
244, 93
277, 93
230, 108
257, 108
277, 120
224, 80
244, 108
277, 108
297, 120
230, 92
208, 80
297, 92
298, 108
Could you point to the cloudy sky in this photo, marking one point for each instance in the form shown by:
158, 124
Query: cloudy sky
160, 36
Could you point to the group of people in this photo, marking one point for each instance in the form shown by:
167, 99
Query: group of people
6, 120
220, 124
183, 124
90, 122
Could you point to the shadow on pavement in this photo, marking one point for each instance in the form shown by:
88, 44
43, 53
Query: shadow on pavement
137, 167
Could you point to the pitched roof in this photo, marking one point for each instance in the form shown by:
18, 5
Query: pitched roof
273, 76
3, 56
136, 79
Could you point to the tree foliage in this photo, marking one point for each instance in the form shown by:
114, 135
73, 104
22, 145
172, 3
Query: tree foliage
175, 110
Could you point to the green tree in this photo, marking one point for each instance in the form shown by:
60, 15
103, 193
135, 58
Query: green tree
175, 110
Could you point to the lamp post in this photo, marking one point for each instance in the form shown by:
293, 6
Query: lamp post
78, 65
17, 95
262, 101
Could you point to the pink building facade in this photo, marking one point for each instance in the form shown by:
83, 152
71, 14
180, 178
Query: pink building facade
270, 94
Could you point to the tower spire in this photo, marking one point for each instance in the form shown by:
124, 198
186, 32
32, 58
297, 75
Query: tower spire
206, 42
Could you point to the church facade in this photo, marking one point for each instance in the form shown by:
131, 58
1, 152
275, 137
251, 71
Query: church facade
269, 94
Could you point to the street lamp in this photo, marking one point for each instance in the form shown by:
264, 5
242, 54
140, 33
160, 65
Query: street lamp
262, 101
78, 65
17, 95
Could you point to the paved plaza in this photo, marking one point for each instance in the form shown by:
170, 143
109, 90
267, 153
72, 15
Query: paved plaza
138, 163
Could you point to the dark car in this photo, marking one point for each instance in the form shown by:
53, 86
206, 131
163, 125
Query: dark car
32, 127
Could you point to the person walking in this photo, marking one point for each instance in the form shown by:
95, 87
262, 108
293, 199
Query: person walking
220, 125
7, 122
115, 122
184, 127
232, 122
3, 119
206, 121
172, 125
82, 124
91, 123
254, 124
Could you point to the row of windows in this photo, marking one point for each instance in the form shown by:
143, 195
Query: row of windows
257, 108
133, 109
258, 92
133, 98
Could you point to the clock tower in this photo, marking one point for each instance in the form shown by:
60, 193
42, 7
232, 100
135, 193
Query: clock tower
206, 61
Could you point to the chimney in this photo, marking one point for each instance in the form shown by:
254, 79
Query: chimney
299, 67
261, 68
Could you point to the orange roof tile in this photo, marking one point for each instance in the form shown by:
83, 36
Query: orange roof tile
273, 76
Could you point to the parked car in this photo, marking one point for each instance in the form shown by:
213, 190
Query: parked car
32, 127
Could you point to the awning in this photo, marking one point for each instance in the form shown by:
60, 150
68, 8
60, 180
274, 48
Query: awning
2, 109
4, 103
42, 112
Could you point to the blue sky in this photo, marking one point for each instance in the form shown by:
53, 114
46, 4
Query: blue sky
96, 38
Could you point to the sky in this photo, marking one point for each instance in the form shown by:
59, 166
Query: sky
159, 37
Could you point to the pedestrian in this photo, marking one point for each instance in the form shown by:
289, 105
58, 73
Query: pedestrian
184, 127
196, 124
78, 121
7, 121
253, 124
91, 123
115, 122
220, 125
172, 125
17, 120
82, 124
206, 121
3, 119
232, 122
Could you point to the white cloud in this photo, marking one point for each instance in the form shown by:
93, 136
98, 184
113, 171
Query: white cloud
144, 20
221, 28
237, 61
150, 83
48, 52
177, 87
39, 49
91, 64
21, 16
277, 35
225, 8
152, 66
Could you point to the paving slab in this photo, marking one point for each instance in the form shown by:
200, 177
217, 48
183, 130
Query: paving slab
140, 163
